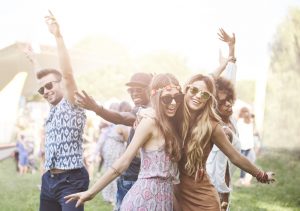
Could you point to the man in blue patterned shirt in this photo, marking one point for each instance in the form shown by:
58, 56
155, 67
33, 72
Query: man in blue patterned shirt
65, 173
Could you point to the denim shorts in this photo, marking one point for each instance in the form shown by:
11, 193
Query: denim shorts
123, 187
56, 186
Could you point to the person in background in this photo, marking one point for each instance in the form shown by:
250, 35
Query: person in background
88, 147
245, 127
112, 147
23, 154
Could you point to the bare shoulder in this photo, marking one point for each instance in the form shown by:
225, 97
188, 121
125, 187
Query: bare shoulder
217, 129
149, 122
214, 124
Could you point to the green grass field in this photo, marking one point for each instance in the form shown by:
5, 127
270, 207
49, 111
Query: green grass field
20, 193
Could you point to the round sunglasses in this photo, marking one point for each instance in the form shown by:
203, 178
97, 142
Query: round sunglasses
167, 99
195, 90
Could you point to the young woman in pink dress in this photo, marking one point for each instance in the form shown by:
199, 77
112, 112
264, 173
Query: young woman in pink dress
157, 139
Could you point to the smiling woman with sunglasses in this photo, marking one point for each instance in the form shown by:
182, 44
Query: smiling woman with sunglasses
157, 139
201, 129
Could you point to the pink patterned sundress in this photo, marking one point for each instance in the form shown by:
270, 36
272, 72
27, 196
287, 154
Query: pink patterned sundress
154, 188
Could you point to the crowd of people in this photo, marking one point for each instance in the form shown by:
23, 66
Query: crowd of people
176, 149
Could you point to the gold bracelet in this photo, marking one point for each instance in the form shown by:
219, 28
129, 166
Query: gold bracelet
115, 171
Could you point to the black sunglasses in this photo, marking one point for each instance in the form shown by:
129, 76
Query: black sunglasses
138, 90
195, 90
47, 86
167, 99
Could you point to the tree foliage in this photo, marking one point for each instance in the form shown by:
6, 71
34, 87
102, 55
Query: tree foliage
245, 90
115, 67
282, 126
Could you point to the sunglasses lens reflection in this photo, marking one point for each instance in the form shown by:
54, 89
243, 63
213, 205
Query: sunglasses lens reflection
166, 99
178, 98
205, 95
194, 90
49, 86
41, 90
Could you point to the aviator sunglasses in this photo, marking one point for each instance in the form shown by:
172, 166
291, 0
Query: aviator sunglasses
195, 90
47, 86
167, 99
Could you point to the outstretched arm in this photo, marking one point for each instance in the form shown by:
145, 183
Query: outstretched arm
142, 135
235, 157
68, 81
87, 102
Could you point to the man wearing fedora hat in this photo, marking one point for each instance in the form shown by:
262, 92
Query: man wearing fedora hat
138, 88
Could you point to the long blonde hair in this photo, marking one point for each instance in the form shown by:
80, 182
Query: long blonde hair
166, 125
200, 130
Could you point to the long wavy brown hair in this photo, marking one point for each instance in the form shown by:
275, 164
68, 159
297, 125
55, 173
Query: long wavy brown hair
199, 130
166, 125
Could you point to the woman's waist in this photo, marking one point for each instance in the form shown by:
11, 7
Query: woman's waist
196, 175
161, 178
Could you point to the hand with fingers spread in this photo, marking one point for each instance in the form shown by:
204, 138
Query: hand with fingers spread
52, 24
81, 197
85, 101
223, 36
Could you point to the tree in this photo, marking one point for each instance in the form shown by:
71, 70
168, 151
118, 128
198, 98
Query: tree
165, 62
282, 124
115, 67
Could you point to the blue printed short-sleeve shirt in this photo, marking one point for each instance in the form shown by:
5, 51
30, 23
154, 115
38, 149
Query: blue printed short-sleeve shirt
64, 130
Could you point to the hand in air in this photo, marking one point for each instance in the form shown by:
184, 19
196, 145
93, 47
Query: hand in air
226, 38
52, 24
85, 101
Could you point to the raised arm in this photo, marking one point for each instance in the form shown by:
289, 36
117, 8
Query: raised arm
68, 81
223, 36
31, 56
87, 102
236, 158
227, 64
142, 135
